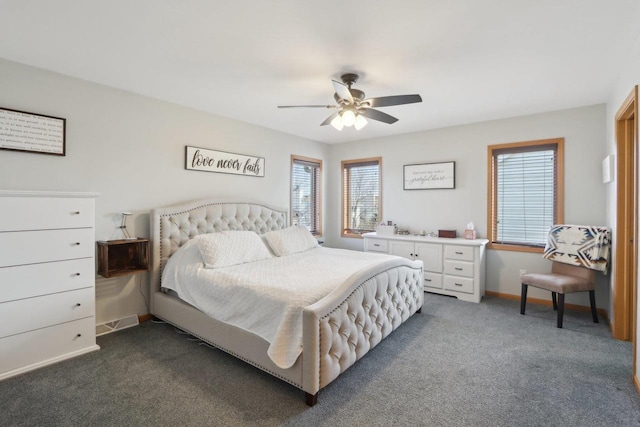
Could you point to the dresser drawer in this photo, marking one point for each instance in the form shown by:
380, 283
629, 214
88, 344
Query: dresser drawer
463, 253
39, 312
460, 284
27, 281
30, 247
376, 245
43, 346
432, 280
458, 268
38, 213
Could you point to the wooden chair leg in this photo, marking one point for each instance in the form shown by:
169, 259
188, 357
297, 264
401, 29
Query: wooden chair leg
523, 298
560, 309
592, 300
555, 302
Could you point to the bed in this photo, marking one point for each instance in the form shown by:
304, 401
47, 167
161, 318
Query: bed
335, 330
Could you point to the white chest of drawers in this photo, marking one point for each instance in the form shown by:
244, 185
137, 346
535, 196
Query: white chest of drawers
47, 279
453, 267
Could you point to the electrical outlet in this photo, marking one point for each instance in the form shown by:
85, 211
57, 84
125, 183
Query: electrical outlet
523, 272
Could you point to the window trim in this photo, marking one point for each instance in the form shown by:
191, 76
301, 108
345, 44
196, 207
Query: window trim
491, 190
342, 190
295, 157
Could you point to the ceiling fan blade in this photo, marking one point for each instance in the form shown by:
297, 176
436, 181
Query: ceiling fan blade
387, 101
378, 115
343, 91
307, 106
329, 119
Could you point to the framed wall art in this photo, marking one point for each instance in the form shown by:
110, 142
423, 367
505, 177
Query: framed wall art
35, 133
203, 159
429, 176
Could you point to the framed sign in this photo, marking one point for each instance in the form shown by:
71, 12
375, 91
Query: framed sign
203, 159
35, 133
428, 176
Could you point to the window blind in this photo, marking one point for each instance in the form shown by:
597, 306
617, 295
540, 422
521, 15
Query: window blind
361, 196
524, 194
305, 194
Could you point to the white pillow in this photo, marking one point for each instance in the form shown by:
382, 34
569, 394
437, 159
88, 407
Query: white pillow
227, 248
290, 240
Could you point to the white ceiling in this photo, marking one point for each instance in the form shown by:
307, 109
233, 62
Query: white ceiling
470, 60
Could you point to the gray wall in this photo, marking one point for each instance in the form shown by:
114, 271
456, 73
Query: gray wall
130, 149
584, 131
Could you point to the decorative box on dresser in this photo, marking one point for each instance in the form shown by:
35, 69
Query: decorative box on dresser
451, 266
47, 278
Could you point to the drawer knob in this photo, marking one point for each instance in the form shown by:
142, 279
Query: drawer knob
75, 213
76, 244
78, 305
458, 268
427, 280
77, 274
78, 336
458, 284
458, 253
376, 244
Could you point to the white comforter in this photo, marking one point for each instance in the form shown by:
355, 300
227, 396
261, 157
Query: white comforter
267, 297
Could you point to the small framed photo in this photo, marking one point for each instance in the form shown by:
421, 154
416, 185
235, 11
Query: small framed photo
35, 133
429, 176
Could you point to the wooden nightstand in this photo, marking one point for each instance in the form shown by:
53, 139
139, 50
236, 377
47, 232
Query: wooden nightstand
122, 257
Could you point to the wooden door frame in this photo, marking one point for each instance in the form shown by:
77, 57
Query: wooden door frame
625, 241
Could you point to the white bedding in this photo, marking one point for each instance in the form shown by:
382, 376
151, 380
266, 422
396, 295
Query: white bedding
267, 297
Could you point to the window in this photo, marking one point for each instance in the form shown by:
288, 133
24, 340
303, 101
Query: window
361, 200
306, 199
526, 193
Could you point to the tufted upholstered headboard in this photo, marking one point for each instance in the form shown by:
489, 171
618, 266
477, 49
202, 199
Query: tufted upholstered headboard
173, 226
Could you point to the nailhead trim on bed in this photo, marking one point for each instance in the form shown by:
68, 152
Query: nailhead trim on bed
370, 313
236, 355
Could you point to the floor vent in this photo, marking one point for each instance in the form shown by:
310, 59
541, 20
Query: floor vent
116, 325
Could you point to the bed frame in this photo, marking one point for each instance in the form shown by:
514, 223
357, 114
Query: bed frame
334, 337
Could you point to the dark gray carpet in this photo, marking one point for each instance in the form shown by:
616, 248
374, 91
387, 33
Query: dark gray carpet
456, 364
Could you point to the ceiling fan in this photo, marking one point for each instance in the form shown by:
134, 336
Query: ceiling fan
353, 107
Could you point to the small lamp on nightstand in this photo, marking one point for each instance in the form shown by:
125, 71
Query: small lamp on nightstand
123, 226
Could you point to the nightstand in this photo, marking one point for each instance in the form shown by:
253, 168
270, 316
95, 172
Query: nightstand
122, 257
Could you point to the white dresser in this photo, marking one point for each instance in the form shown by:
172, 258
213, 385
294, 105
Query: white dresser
47, 278
451, 266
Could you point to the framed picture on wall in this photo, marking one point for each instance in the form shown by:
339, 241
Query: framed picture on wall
35, 133
429, 176
206, 160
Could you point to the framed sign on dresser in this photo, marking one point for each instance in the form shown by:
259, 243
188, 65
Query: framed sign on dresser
47, 278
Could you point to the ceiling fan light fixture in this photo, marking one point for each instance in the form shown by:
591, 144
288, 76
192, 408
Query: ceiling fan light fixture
348, 118
360, 122
352, 107
337, 122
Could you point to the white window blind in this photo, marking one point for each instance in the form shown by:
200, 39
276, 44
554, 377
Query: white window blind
305, 194
525, 194
361, 196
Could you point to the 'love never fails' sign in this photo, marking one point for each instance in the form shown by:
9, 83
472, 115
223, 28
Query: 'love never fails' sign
202, 159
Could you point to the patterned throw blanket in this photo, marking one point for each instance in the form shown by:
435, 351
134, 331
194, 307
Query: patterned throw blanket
581, 245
